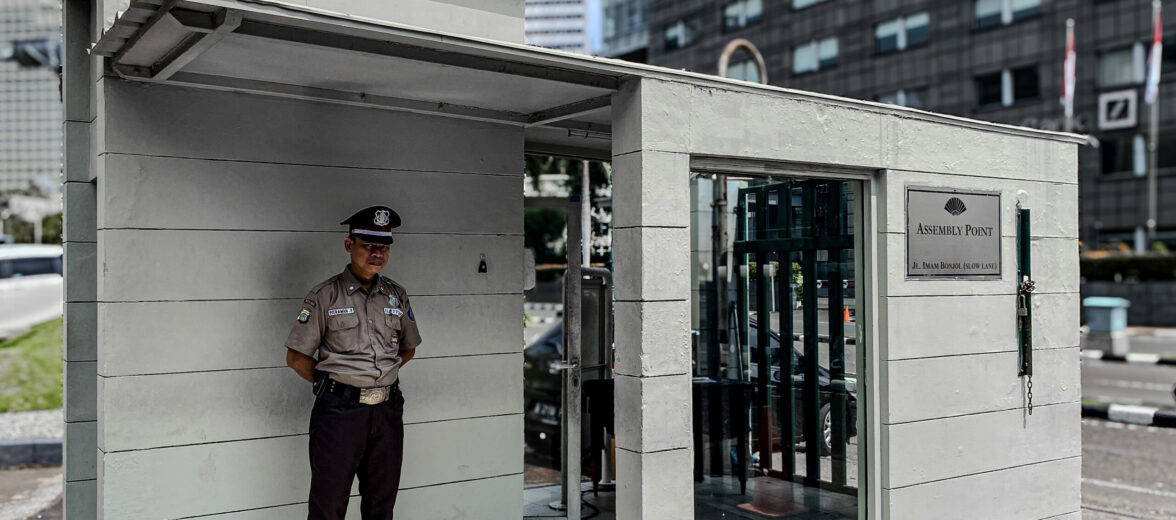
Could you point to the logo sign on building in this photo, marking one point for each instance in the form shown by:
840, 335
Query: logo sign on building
1118, 109
952, 234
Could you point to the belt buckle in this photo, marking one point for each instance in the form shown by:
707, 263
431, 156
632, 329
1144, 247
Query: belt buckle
373, 395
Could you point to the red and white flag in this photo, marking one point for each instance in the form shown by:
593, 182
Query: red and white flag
1155, 57
1069, 68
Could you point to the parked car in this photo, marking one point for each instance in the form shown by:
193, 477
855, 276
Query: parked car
824, 384
542, 386
30, 286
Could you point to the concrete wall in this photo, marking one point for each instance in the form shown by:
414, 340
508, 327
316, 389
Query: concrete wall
216, 213
495, 19
947, 432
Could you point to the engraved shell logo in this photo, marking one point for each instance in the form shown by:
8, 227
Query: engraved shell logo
955, 206
382, 217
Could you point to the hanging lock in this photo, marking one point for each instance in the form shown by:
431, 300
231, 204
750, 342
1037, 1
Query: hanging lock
1022, 308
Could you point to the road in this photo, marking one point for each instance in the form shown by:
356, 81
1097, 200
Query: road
1124, 383
1127, 471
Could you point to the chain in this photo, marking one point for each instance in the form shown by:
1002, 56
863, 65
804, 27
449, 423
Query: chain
1030, 387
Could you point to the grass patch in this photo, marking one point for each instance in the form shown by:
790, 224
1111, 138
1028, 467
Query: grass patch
1086, 400
30, 369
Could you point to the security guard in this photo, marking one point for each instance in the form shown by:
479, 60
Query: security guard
362, 328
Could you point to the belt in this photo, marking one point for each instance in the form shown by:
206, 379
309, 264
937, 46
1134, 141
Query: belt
362, 395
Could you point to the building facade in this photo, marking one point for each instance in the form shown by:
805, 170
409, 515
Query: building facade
558, 24
983, 59
625, 32
30, 100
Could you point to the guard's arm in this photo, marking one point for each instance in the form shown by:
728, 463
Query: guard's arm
406, 355
301, 363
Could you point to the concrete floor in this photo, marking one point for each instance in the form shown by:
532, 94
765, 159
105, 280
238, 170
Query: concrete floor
24, 493
717, 498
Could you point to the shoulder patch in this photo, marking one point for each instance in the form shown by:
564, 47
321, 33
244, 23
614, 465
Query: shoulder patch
308, 303
304, 316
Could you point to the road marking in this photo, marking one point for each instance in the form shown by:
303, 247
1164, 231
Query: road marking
1134, 385
1128, 487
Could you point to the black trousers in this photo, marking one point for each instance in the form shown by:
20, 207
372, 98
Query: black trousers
349, 439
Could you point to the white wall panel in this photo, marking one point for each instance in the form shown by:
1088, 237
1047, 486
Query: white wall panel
940, 449
164, 120
160, 337
1055, 264
928, 388
176, 409
1024, 493
141, 265
170, 193
232, 476
950, 325
1056, 320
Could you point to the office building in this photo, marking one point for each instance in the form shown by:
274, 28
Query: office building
30, 100
558, 24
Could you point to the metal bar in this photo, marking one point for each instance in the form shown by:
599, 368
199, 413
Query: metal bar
1024, 273
141, 31
572, 413
810, 243
740, 277
763, 345
786, 405
571, 152
836, 298
569, 111
274, 31
810, 391
192, 47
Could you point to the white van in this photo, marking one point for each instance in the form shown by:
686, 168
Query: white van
30, 286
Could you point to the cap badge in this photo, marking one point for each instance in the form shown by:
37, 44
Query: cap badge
394, 301
383, 217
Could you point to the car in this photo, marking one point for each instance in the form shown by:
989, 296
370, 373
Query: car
30, 286
824, 384
543, 384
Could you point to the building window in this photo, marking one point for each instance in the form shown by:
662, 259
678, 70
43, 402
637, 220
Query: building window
801, 4
681, 34
901, 33
745, 70
1007, 87
1123, 153
1123, 66
815, 55
992, 13
740, 14
912, 98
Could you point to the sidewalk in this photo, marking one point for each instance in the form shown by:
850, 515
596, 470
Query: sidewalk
30, 493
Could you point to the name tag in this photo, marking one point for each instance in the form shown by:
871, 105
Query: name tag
336, 312
393, 311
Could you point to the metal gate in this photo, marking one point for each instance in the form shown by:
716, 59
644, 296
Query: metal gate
802, 223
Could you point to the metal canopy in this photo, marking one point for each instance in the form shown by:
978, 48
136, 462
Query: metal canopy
268, 50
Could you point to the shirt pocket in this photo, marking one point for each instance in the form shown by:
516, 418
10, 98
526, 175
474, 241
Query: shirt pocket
343, 333
392, 331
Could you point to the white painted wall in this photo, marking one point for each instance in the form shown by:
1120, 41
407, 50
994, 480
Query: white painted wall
216, 213
951, 437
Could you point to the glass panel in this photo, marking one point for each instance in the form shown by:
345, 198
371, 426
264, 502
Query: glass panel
33, 266
1117, 153
1115, 68
733, 16
988, 89
755, 10
1025, 84
827, 54
987, 13
915, 98
1025, 8
891, 98
916, 29
886, 37
804, 58
801, 4
776, 431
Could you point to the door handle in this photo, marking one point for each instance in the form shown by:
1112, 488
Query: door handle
557, 366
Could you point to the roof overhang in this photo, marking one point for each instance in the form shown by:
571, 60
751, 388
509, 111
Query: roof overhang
561, 100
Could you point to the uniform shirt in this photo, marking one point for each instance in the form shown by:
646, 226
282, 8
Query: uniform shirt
358, 333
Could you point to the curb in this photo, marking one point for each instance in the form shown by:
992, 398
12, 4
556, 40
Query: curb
19, 453
1141, 358
1145, 415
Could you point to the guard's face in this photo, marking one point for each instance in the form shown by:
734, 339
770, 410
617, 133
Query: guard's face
367, 258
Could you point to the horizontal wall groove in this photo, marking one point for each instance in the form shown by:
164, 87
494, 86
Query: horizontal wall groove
972, 414
986, 472
620, 300
303, 434
460, 481
308, 231
291, 298
518, 175
652, 376
652, 451
621, 228
218, 370
974, 354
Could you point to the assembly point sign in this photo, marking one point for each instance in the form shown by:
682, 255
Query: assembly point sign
952, 234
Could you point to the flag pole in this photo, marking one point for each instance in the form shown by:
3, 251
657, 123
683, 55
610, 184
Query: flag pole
1154, 124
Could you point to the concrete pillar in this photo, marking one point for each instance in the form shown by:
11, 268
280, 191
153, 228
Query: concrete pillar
80, 239
651, 206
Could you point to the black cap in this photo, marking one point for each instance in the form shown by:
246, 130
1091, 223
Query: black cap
373, 224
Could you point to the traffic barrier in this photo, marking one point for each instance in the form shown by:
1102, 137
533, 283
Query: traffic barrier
1142, 358
1143, 415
